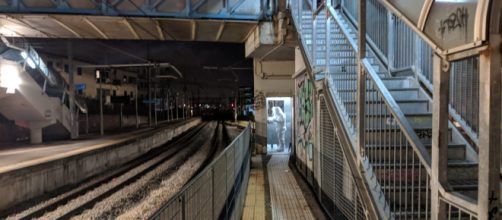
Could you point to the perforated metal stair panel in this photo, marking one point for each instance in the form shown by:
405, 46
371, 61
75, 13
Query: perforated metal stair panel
340, 196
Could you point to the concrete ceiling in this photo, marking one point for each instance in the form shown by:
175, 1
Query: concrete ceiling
124, 28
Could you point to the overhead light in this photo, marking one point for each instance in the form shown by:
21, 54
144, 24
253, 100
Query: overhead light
9, 77
7, 32
28, 60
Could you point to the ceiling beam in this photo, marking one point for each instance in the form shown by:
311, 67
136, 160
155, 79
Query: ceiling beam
26, 23
159, 30
194, 30
131, 28
65, 26
89, 22
220, 31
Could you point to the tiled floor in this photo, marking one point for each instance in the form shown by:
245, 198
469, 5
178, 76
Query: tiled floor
286, 198
254, 207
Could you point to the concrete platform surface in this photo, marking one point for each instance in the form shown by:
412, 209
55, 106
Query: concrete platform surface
17, 157
274, 193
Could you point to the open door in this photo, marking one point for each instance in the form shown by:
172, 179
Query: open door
279, 130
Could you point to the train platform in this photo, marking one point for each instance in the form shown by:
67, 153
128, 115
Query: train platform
20, 156
276, 192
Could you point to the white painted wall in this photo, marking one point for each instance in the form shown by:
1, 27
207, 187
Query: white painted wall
273, 79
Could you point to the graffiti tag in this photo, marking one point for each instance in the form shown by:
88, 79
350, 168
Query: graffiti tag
456, 20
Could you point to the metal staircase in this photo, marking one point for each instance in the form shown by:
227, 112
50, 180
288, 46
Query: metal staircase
395, 156
40, 101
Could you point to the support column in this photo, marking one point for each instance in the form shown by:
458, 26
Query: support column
361, 80
149, 100
489, 128
441, 82
35, 134
176, 106
71, 81
101, 123
136, 105
155, 103
121, 116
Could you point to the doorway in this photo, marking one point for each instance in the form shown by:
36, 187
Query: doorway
279, 130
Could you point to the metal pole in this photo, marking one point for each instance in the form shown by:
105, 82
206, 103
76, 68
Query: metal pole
71, 81
440, 135
183, 105
361, 81
167, 105
176, 106
87, 121
101, 124
490, 119
149, 100
155, 102
136, 106
121, 116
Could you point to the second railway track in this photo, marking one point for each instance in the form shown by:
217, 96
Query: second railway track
119, 190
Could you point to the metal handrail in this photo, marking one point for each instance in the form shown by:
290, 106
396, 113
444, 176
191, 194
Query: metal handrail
404, 125
418, 147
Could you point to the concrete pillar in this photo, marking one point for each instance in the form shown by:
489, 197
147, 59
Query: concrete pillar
35, 134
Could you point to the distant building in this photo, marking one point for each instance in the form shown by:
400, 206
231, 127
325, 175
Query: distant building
245, 100
116, 84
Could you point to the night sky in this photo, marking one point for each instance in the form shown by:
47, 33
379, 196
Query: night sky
189, 57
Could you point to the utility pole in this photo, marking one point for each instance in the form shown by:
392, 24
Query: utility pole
176, 106
155, 102
149, 100
136, 104
101, 125
71, 81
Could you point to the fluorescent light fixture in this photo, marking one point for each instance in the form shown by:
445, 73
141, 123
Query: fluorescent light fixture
9, 77
28, 60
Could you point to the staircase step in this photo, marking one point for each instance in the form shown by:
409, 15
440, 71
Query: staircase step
398, 94
414, 106
394, 135
400, 153
401, 197
378, 120
395, 173
390, 83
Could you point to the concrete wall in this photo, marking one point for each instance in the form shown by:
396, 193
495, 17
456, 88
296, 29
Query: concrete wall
26, 183
110, 122
271, 79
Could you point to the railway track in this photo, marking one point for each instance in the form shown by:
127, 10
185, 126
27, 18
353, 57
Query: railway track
123, 188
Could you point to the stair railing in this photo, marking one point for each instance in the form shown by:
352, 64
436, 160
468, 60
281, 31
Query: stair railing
394, 158
394, 154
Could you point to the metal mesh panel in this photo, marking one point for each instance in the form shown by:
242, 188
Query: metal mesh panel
218, 192
464, 93
328, 157
377, 25
351, 7
340, 195
423, 60
198, 200
404, 44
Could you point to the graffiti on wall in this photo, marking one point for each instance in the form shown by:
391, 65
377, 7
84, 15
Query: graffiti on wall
304, 119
